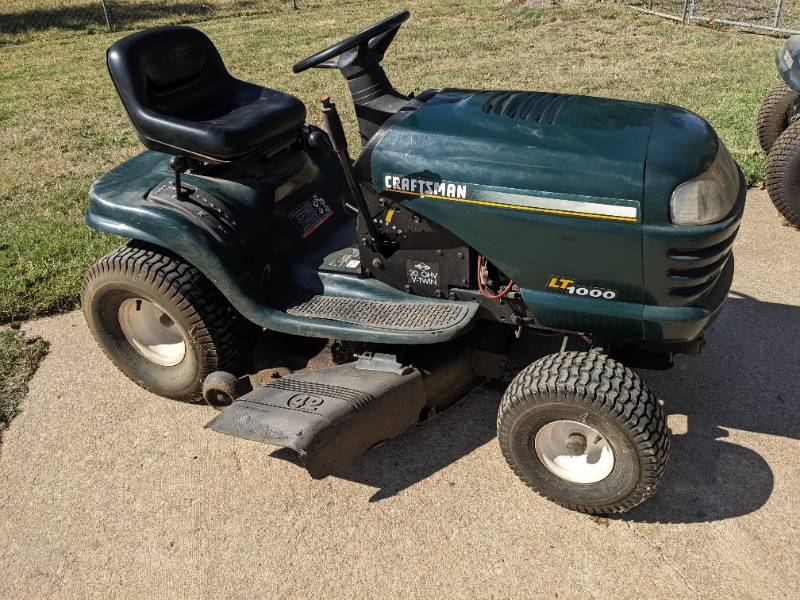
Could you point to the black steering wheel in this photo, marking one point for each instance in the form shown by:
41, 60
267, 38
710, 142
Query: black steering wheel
366, 38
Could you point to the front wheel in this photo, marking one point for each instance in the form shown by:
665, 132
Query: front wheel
583, 431
161, 322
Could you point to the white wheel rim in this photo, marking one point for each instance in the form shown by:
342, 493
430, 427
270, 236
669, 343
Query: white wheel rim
593, 464
152, 332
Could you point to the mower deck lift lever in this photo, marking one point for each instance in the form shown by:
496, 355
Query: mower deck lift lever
333, 124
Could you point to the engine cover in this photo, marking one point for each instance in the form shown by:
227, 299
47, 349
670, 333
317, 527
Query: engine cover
419, 255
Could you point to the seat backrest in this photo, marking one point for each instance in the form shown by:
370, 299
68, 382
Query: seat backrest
171, 71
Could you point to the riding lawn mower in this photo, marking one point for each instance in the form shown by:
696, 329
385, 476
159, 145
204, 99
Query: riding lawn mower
779, 134
469, 218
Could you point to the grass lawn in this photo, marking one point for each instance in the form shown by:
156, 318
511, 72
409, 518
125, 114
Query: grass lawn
61, 124
19, 357
27, 20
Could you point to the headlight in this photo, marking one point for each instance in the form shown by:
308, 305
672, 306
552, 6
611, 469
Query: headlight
710, 196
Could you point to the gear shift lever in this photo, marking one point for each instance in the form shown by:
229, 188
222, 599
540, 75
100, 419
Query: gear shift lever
179, 164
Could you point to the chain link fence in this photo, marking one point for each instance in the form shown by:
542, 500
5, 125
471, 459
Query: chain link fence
775, 16
27, 20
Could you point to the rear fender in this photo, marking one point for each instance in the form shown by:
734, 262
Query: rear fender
235, 250
230, 254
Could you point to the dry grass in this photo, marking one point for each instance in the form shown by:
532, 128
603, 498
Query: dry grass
61, 124
27, 20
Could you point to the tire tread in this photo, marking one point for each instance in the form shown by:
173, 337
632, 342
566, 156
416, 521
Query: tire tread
593, 379
783, 159
773, 115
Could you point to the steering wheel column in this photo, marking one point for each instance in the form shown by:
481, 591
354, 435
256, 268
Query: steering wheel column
374, 97
358, 58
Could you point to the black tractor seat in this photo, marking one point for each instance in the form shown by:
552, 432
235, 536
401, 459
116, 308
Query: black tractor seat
181, 98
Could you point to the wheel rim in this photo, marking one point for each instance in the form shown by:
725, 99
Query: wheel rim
574, 451
152, 332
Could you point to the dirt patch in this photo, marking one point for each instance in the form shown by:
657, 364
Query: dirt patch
20, 355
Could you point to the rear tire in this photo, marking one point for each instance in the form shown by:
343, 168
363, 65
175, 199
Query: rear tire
161, 322
783, 174
622, 437
773, 116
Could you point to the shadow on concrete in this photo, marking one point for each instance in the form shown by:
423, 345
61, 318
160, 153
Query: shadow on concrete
745, 379
707, 479
423, 450
428, 448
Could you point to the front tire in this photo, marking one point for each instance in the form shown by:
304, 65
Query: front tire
583, 430
783, 174
161, 322
773, 116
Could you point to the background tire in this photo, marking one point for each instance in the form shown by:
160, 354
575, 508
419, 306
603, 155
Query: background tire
592, 389
783, 174
773, 116
138, 276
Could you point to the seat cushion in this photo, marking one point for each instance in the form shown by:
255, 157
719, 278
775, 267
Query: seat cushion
181, 98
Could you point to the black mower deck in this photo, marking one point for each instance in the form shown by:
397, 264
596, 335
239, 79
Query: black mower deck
329, 416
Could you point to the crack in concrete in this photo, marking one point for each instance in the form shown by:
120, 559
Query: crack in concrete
664, 560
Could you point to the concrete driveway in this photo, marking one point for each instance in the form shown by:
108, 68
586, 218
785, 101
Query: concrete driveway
109, 491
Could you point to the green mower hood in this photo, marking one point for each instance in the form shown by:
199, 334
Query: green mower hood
542, 144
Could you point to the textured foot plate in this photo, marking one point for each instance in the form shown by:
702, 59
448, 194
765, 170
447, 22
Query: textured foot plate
398, 316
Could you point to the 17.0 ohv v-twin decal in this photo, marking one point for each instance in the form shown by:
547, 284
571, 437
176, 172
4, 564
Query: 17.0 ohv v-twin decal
568, 286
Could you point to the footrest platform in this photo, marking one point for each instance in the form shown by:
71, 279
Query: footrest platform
397, 316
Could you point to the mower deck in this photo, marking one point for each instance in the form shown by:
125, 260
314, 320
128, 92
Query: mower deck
331, 416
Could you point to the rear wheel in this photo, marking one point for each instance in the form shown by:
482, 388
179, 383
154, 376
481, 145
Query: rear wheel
783, 174
773, 116
583, 431
161, 322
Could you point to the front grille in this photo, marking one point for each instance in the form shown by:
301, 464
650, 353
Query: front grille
694, 271
542, 107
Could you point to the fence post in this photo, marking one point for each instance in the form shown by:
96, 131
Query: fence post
105, 14
685, 12
778, 8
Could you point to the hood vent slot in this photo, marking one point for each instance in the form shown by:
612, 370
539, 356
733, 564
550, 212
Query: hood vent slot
542, 107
